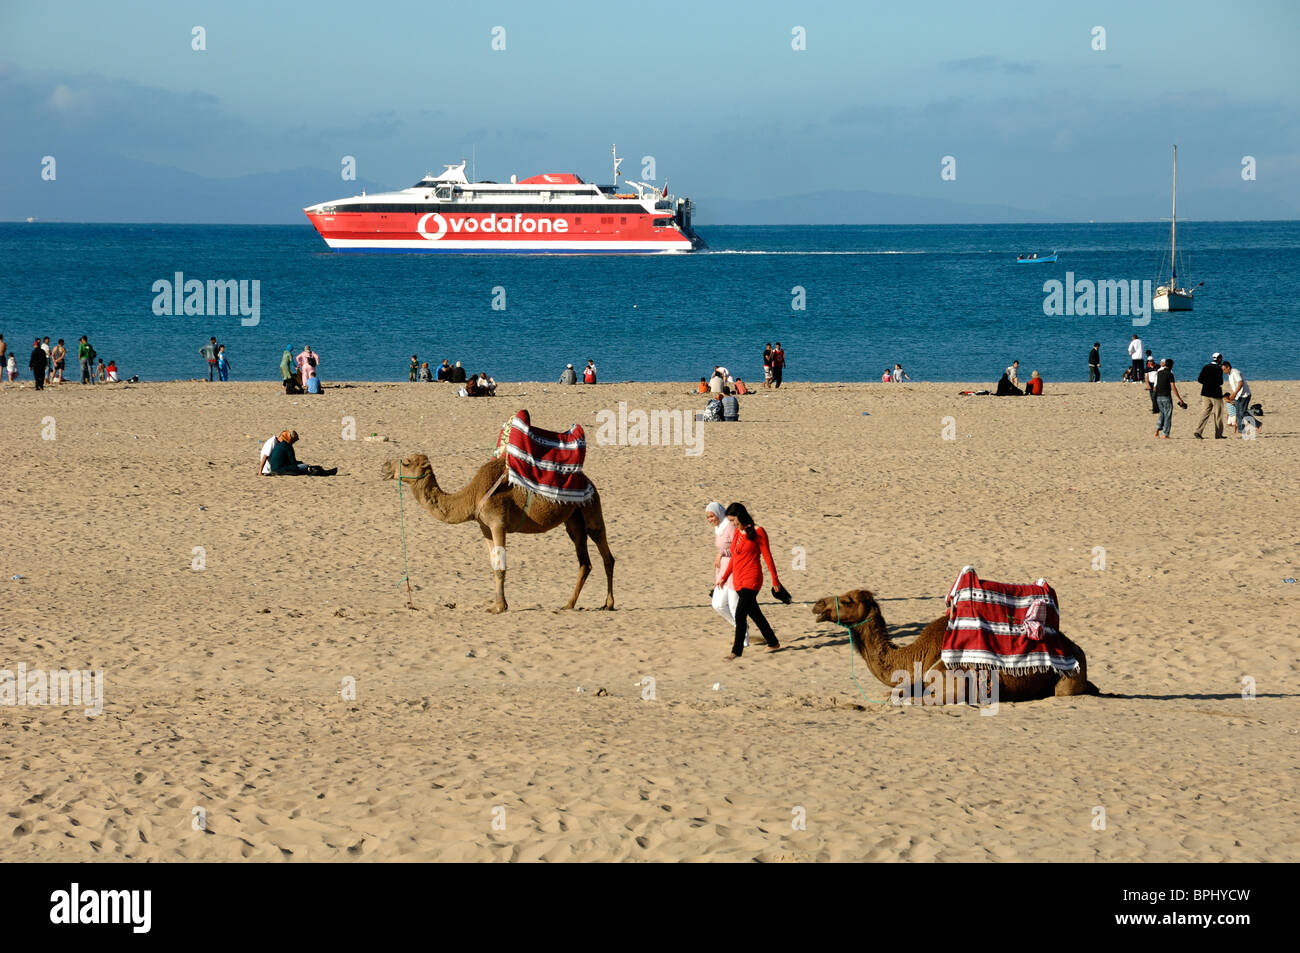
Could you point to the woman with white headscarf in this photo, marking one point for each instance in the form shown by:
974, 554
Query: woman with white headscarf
725, 597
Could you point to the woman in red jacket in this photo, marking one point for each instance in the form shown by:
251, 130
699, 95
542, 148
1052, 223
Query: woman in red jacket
746, 573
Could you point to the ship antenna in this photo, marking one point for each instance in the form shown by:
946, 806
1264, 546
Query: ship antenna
473, 162
617, 162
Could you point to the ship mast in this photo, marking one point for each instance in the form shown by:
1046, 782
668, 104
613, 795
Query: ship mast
617, 162
1173, 230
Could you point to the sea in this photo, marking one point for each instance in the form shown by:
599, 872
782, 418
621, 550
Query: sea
947, 302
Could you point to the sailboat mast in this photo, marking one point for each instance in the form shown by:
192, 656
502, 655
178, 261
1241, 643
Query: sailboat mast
1173, 230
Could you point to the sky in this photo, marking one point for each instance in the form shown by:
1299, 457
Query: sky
1035, 117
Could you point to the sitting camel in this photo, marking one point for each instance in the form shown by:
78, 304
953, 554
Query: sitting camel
500, 508
859, 612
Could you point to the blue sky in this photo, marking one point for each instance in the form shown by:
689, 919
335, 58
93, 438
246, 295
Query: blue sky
1034, 116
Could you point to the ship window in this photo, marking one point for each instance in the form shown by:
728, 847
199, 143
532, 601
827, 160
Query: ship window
622, 220
578, 220
443, 192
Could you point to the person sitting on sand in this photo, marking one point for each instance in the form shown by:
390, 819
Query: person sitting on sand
717, 383
457, 374
313, 381
283, 462
703, 388
487, 385
568, 375
111, 371
1034, 385
713, 409
731, 407
1006, 388
426, 375
1013, 373
444, 372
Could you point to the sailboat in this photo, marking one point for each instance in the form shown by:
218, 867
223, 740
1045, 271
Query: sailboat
1168, 296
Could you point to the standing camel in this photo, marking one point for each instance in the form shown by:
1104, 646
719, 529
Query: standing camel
500, 508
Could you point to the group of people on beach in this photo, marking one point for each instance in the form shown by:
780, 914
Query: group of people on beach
895, 376
1009, 383
48, 363
301, 374
278, 458
218, 363
570, 376
741, 548
773, 364
1222, 387
479, 385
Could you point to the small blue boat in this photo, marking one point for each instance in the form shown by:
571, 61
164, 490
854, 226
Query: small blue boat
1035, 258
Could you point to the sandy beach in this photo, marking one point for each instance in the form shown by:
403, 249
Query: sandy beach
228, 613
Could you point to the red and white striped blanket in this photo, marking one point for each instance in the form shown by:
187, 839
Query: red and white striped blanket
547, 463
1012, 628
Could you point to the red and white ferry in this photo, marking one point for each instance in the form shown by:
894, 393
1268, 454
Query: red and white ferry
556, 212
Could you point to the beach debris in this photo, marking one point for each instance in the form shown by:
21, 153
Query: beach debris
203, 509
377, 438
602, 692
1290, 582
865, 414
580, 689
470, 654
717, 686
16, 577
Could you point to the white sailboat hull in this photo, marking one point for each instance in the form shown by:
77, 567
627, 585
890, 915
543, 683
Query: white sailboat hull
1176, 299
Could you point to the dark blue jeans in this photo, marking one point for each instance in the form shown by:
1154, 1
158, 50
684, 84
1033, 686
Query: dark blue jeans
1166, 405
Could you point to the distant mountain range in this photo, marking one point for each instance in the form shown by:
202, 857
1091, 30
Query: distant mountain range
109, 188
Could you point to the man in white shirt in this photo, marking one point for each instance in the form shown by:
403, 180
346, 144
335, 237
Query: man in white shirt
1135, 355
1239, 394
264, 465
1013, 373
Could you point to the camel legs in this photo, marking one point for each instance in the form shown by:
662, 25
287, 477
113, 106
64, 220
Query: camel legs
495, 538
577, 529
1076, 684
595, 522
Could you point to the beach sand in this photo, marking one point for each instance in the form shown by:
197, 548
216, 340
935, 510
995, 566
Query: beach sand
482, 737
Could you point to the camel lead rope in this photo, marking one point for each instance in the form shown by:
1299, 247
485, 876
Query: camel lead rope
401, 513
852, 676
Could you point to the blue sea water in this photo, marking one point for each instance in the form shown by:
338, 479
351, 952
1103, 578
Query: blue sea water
947, 302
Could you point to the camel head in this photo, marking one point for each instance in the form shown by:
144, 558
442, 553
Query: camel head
414, 466
854, 606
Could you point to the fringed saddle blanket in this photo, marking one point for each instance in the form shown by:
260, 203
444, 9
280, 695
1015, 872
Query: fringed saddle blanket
998, 625
546, 463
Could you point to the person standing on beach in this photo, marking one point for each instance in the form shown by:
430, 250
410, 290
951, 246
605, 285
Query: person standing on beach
86, 357
286, 363
59, 356
778, 365
1094, 363
724, 594
899, 375
49, 358
4, 351
748, 544
1211, 381
1239, 394
1135, 357
209, 353
1165, 391
767, 364
223, 364
414, 373
38, 362
308, 362
1013, 373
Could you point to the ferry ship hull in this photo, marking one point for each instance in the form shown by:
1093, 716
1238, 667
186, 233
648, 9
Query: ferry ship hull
504, 232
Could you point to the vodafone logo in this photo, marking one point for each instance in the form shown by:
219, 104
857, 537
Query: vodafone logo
438, 220
503, 224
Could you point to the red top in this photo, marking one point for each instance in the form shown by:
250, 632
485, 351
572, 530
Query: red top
744, 569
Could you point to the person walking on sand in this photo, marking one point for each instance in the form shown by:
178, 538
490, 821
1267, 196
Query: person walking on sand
749, 545
1211, 381
778, 365
724, 595
1135, 358
900, 375
209, 353
1094, 363
223, 364
1149, 375
1166, 390
37, 363
1239, 394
